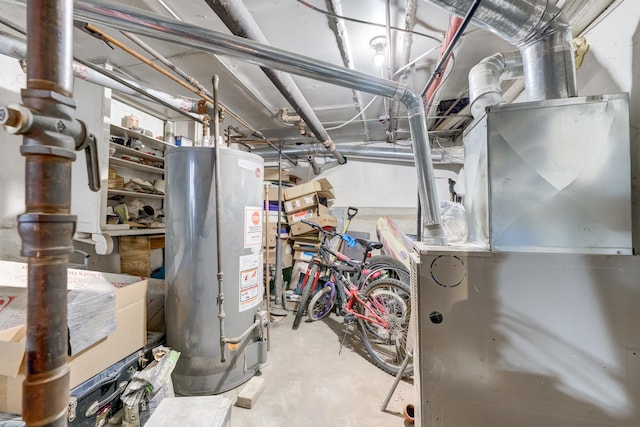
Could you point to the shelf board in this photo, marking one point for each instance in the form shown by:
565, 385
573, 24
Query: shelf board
135, 153
120, 131
135, 194
135, 231
133, 165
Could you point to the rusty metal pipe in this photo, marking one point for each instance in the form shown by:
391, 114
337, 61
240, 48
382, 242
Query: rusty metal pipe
47, 227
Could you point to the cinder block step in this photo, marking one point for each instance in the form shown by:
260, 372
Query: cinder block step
250, 392
205, 411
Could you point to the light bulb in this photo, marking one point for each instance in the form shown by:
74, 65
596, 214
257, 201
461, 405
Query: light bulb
378, 44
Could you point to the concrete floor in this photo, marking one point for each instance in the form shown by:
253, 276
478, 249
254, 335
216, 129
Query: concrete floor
308, 384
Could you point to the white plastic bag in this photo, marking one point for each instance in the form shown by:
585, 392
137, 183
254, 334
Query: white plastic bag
454, 221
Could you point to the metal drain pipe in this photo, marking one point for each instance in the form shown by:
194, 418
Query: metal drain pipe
173, 31
235, 15
47, 227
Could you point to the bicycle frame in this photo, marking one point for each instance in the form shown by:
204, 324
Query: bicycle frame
354, 298
316, 279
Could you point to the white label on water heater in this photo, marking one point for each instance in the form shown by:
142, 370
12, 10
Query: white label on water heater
250, 280
252, 226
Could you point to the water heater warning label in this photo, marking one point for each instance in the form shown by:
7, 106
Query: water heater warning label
252, 226
250, 280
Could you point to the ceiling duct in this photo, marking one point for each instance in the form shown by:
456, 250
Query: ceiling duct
381, 154
541, 32
235, 15
484, 80
16, 48
172, 31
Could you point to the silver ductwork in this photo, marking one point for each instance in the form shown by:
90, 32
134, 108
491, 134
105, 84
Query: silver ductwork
351, 152
238, 19
16, 48
173, 31
541, 32
485, 78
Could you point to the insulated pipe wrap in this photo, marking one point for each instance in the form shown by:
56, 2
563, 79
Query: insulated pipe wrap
485, 78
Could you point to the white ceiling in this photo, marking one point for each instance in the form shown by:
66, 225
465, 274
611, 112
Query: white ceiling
290, 25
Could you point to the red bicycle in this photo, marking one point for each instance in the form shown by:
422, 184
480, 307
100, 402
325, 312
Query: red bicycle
381, 308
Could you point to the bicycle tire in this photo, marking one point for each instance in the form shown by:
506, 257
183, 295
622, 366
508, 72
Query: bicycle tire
306, 293
390, 299
322, 303
384, 267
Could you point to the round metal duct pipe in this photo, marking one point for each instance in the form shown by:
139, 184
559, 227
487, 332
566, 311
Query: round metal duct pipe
541, 32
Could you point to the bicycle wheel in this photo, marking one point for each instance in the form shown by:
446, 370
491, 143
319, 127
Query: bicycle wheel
322, 302
390, 300
307, 284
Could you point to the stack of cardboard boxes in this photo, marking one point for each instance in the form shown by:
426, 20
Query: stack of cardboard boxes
311, 202
270, 218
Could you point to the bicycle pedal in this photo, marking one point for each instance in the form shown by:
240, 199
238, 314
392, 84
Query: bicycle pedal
349, 318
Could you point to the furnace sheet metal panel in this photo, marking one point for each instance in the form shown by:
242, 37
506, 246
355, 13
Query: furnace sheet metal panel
526, 339
551, 176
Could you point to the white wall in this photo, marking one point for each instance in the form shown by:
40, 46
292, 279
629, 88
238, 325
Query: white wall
12, 79
147, 121
379, 189
612, 65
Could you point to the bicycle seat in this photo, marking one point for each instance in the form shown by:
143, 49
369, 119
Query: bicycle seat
370, 245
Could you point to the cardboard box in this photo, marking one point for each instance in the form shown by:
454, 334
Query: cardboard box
321, 186
322, 220
273, 217
308, 214
129, 336
286, 250
311, 237
298, 216
303, 256
271, 174
310, 201
90, 304
306, 246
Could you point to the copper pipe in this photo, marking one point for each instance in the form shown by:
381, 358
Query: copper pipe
203, 94
47, 227
93, 29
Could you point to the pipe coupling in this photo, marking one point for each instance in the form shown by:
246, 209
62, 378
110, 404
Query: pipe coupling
46, 234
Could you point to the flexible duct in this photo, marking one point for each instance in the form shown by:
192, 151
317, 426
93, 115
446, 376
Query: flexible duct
485, 78
238, 19
172, 31
541, 32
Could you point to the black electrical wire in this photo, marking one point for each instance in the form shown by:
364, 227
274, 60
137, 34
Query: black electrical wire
449, 49
360, 21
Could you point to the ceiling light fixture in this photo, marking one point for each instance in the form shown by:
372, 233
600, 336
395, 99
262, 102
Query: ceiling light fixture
378, 44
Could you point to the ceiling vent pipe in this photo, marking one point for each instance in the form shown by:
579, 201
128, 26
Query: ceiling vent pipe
541, 32
172, 31
382, 154
485, 78
235, 15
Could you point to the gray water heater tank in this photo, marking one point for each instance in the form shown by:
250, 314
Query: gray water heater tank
191, 307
